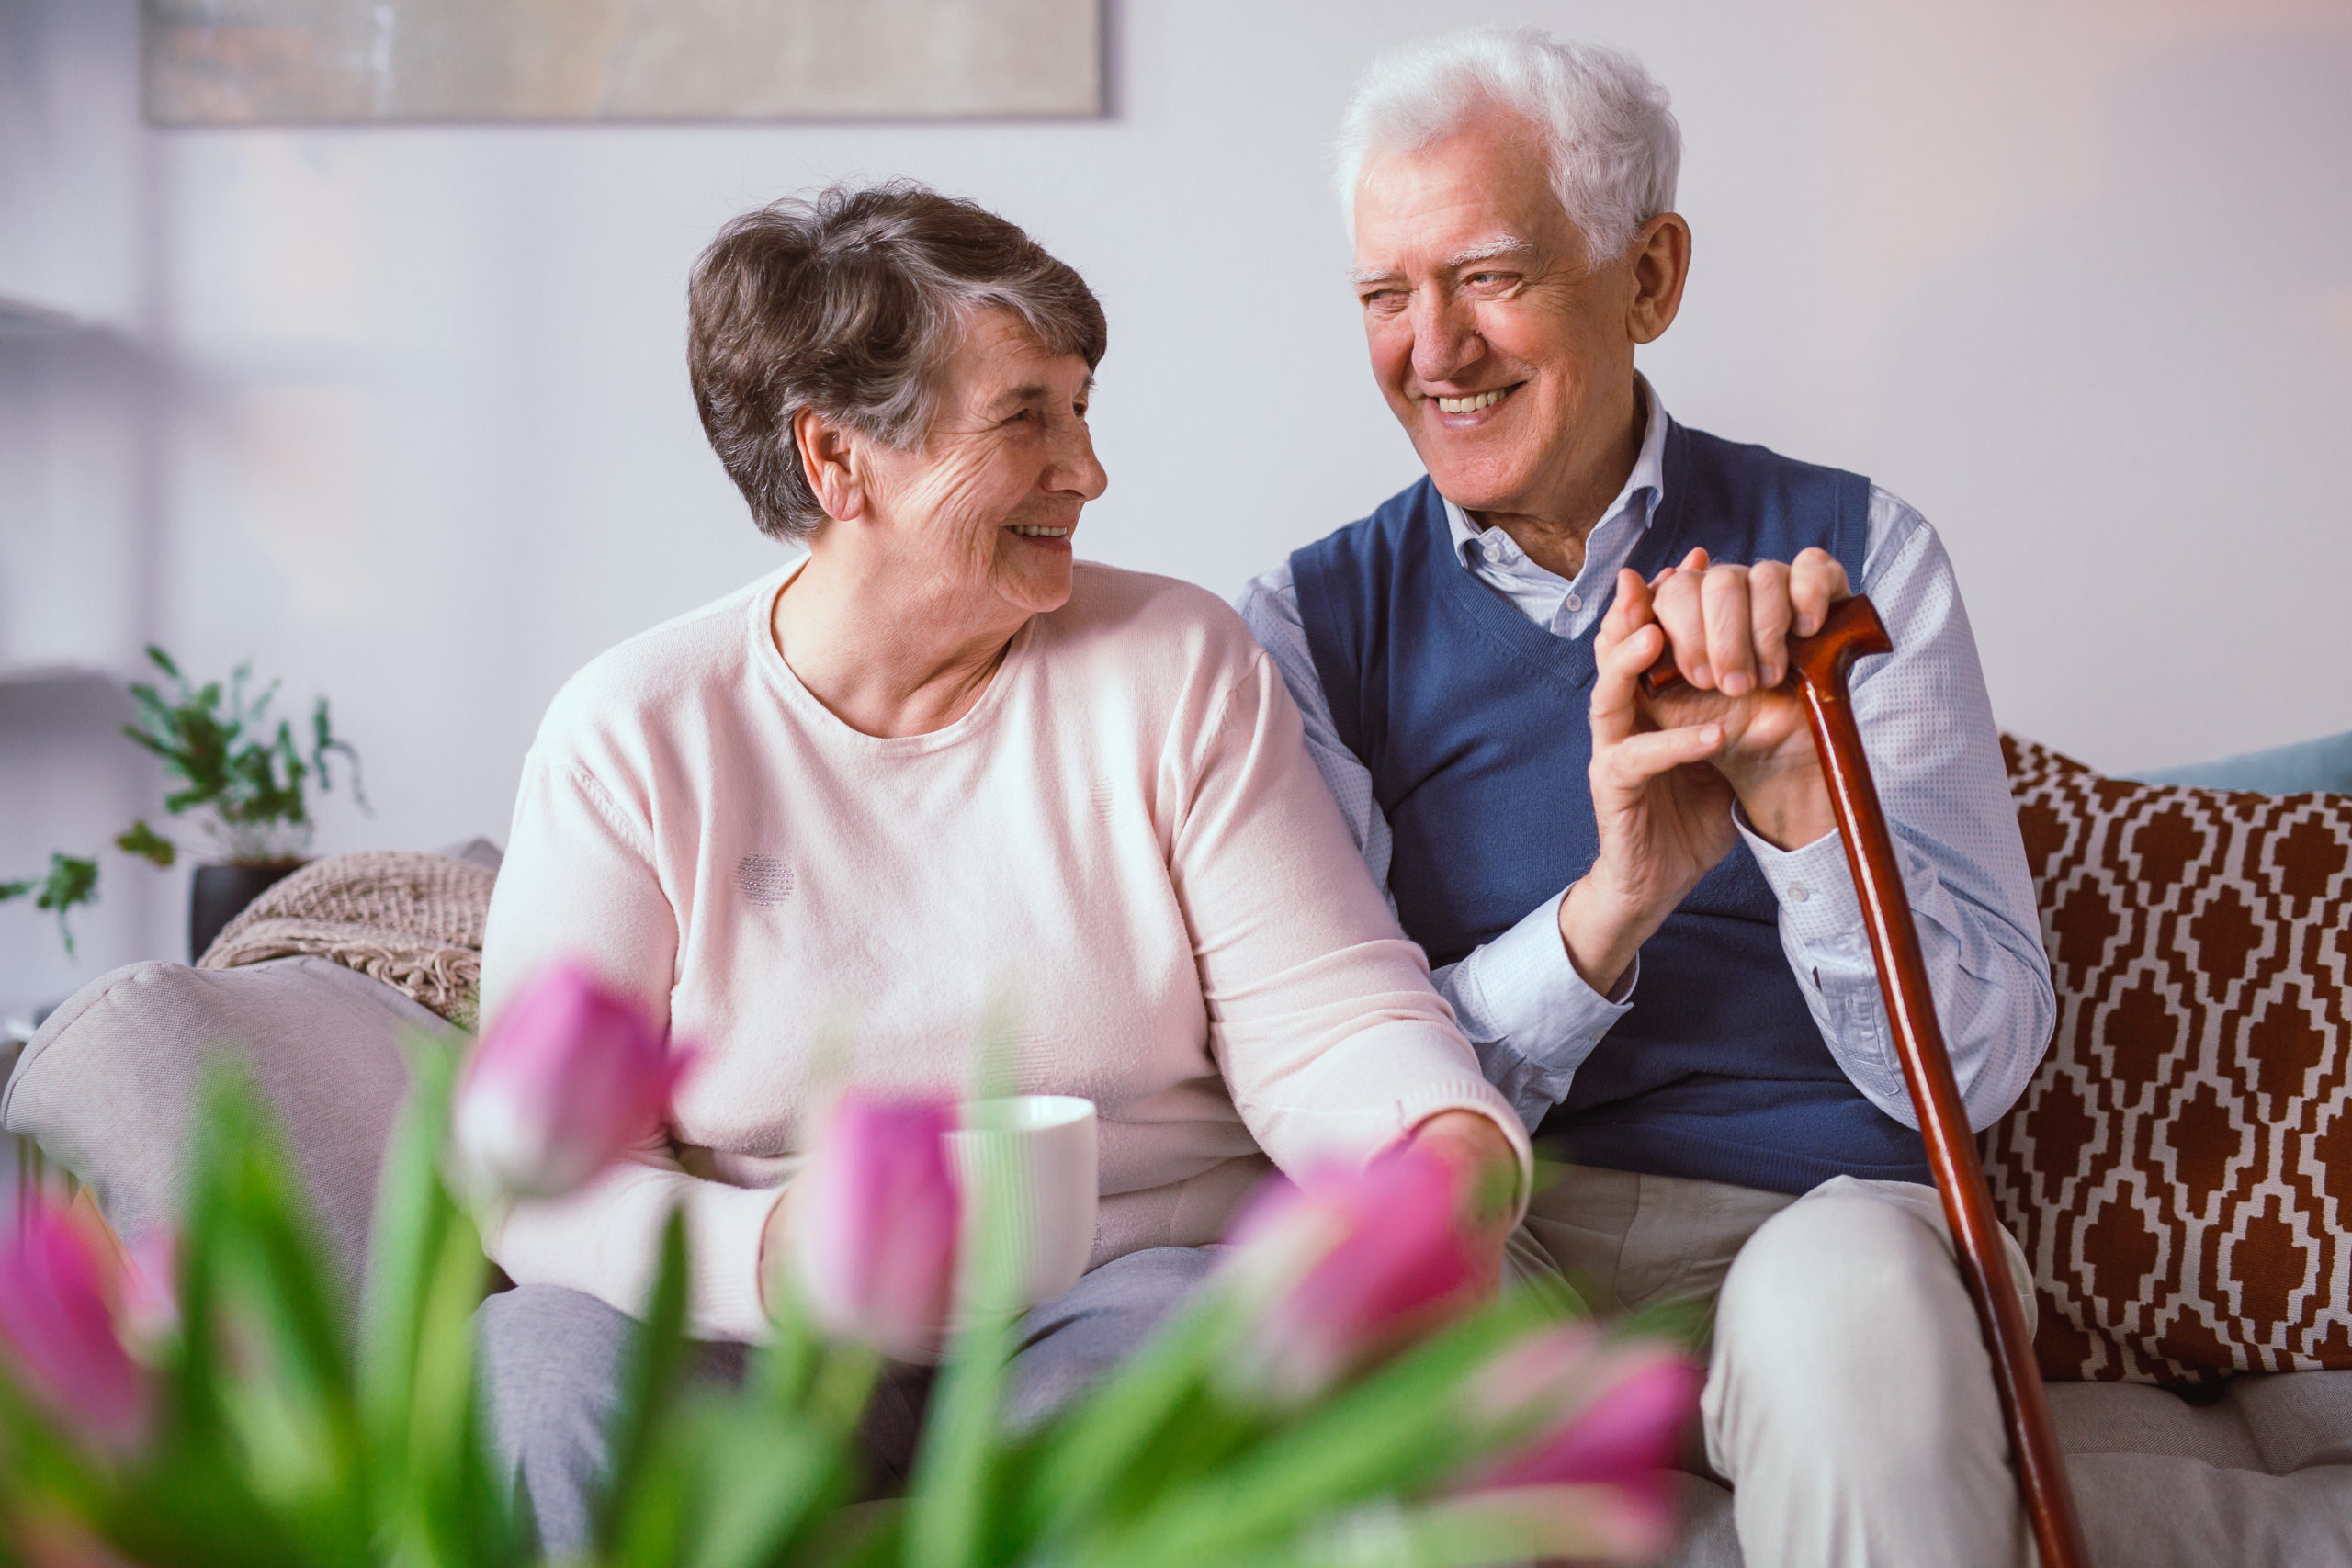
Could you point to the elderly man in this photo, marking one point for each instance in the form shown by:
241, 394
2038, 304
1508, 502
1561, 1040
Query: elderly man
1639, 909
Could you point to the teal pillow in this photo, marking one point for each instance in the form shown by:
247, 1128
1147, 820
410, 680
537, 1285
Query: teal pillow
2307, 765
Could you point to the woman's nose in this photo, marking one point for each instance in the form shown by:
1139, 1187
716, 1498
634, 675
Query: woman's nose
1077, 469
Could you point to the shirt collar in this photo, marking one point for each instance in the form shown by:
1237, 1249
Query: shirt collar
1648, 475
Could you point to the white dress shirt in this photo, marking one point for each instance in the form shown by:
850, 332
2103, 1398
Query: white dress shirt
1927, 727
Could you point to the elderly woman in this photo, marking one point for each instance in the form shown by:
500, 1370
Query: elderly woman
932, 770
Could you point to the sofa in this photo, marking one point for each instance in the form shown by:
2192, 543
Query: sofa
2204, 1420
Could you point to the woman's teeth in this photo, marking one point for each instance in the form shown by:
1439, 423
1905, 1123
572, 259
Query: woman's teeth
1472, 404
1031, 531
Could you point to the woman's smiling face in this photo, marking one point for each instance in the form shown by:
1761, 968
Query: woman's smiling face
984, 507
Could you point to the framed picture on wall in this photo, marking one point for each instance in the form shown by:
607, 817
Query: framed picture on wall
356, 61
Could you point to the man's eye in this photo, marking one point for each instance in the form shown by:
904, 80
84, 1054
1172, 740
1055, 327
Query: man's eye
1384, 300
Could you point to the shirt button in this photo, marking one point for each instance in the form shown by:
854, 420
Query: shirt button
1574, 604
1797, 893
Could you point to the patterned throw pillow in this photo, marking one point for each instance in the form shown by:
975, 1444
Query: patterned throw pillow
2180, 1169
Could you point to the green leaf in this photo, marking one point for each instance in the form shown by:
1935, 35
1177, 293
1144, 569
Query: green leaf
1402, 1428
323, 742
15, 889
71, 884
435, 1486
764, 1481
637, 1506
148, 844
266, 1377
952, 1518
456, 1509
1085, 1462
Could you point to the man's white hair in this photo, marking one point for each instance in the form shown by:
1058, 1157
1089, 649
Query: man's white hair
1613, 143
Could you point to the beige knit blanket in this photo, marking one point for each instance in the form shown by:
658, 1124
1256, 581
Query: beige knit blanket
411, 920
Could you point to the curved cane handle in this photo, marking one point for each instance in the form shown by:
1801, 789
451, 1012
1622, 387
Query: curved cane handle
1850, 631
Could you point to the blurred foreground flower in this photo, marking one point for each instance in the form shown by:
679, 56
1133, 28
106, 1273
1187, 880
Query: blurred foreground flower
874, 1223
57, 1541
1594, 1479
1349, 1265
57, 1289
567, 1075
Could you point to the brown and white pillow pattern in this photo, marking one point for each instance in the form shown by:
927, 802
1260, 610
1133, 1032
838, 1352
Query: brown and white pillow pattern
2180, 1169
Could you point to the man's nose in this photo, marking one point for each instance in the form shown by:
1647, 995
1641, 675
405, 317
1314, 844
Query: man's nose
1445, 336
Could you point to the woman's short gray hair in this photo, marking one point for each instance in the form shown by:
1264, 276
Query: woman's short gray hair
849, 302
1615, 148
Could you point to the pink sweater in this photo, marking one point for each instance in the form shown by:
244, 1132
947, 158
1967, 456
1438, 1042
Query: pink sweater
1122, 857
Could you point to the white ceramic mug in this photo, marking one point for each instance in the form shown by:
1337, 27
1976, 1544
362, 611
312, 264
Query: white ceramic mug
1038, 1151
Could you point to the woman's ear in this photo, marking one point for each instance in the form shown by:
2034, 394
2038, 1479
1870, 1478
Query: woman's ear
829, 457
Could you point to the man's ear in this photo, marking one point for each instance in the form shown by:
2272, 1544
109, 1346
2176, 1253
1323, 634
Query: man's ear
1661, 254
829, 457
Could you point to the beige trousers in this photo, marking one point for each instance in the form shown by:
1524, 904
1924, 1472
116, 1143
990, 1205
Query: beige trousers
1850, 1400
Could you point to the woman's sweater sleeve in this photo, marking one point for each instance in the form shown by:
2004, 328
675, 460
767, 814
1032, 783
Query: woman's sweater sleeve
579, 883
1332, 1040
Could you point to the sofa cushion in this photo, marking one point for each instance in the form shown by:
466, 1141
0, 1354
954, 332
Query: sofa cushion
2176, 1168
2137, 1418
107, 1085
2324, 764
2260, 1477
2298, 1420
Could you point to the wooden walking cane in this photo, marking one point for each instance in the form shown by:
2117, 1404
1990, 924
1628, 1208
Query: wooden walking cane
1820, 664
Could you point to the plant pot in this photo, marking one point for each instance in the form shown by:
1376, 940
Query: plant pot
221, 893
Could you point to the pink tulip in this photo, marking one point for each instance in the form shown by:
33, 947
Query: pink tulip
1347, 1264
1597, 1474
568, 1076
875, 1218
57, 1326
150, 1307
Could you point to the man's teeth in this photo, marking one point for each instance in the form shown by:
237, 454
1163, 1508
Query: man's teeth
1472, 405
1032, 531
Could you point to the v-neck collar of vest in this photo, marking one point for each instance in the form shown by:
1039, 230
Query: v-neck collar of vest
1561, 660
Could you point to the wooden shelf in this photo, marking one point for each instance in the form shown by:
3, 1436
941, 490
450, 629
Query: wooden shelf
31, 672
22, 318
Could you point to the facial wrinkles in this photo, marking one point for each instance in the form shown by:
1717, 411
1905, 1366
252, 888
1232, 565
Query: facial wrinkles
1491, 362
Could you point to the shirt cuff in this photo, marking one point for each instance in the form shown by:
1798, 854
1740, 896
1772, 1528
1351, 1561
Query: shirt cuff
1527, 997
1815, 887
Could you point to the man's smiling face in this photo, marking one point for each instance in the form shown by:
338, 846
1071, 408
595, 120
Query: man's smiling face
1504, 354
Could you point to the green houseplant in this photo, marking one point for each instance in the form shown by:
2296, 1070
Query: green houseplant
245, 780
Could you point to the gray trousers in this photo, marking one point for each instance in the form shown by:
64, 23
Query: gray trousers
1849, 1399
551, 1362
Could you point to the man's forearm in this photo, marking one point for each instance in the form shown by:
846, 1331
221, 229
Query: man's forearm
1530, 1016
1990, 982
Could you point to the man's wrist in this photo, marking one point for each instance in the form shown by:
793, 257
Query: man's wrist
1602, 937
1788, 807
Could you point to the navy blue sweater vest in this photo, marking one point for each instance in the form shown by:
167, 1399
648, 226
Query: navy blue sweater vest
1474, 725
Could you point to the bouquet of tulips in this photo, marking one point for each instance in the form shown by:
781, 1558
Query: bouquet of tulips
1338, 1396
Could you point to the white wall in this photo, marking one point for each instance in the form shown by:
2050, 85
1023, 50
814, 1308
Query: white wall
2073, 277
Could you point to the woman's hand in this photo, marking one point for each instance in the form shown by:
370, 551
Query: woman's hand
1487, 1175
